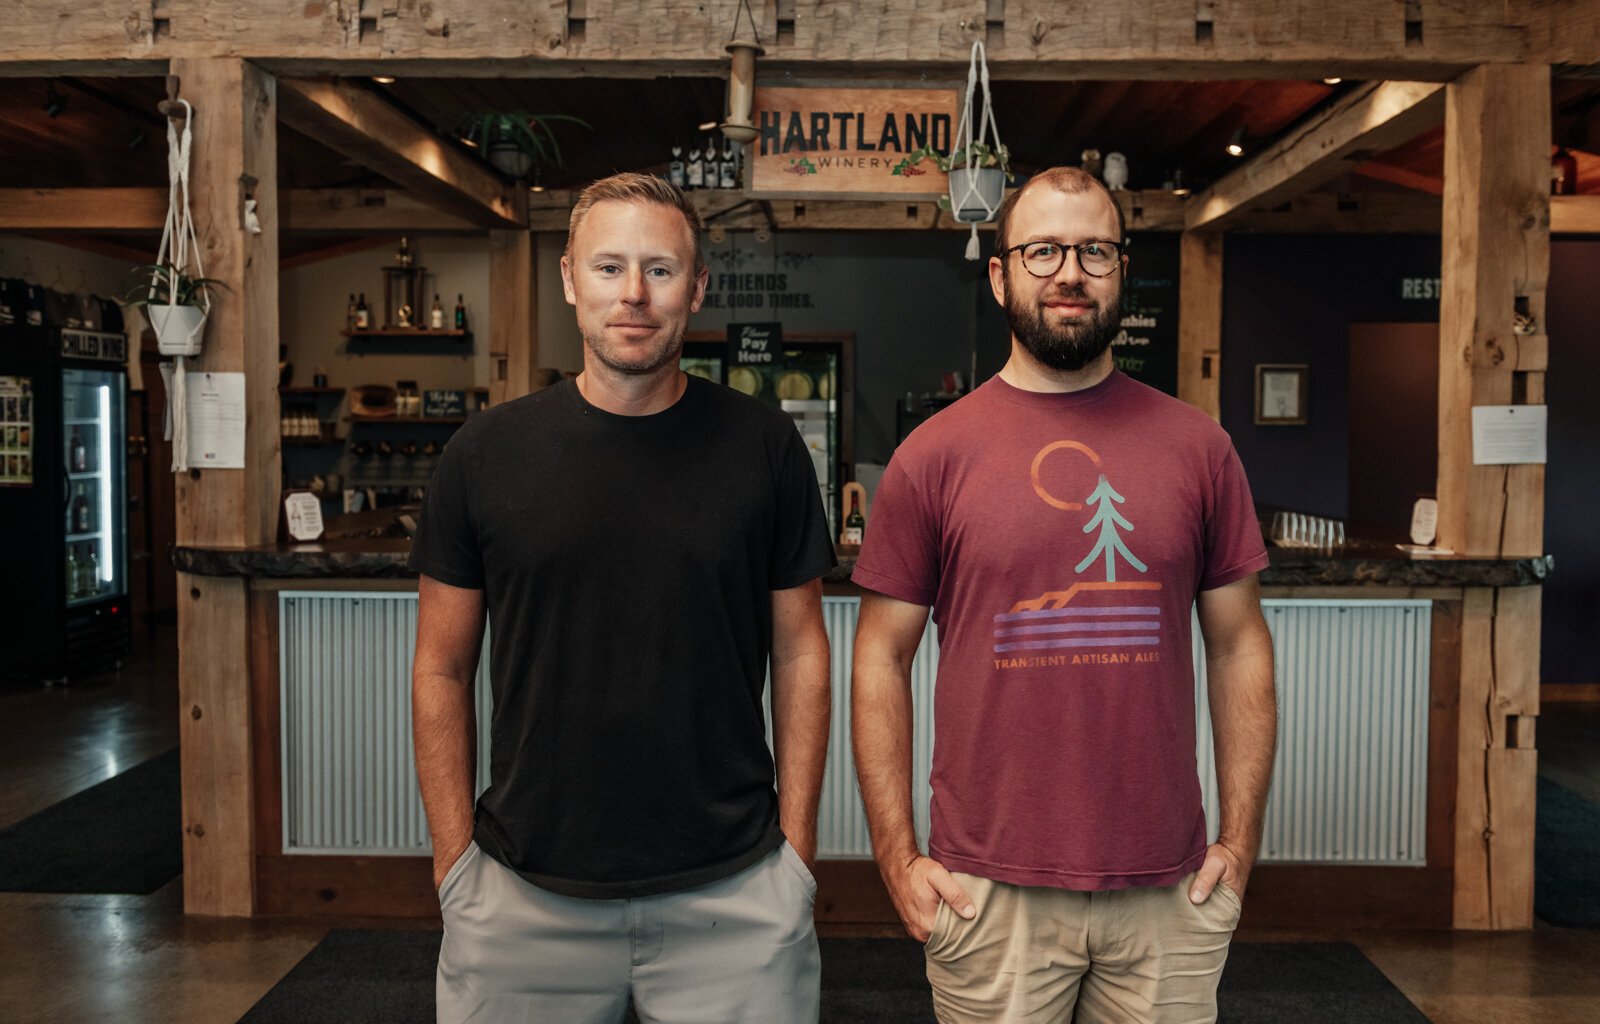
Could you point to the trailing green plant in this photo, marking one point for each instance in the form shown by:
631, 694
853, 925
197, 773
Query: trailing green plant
169, 286
531, 133
974, 154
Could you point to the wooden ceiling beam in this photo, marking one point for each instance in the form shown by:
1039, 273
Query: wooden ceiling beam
1369, 39
1324, 147
352, 121
305, 212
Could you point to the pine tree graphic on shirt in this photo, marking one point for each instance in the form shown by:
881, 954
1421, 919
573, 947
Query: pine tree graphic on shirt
1105, 500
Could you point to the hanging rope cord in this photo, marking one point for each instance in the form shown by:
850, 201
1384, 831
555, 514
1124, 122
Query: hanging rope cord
977, 74
179, 248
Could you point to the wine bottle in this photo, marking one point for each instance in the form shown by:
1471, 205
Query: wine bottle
461, 314
80, 511
730, 164
90, 567
855, 524
72, 572
363, 315
350, 313
676, 173
713, 166
436, 314
78, 455
697, 168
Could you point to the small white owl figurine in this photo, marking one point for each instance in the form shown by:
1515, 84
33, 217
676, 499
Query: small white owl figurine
1116, 172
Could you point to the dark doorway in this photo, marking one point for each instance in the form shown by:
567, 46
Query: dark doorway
1394, 425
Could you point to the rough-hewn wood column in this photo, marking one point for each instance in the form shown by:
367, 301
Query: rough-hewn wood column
234, 154
513, 329
1200, 321
1496, 260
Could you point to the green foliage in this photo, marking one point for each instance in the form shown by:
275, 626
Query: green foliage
530, 133
169, 286
974, 154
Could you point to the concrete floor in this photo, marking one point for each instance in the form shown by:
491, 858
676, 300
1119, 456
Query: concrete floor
139, 960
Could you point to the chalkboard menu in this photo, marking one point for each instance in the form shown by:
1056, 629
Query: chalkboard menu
1147, 348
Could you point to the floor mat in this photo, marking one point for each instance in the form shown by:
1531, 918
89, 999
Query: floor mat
123, 836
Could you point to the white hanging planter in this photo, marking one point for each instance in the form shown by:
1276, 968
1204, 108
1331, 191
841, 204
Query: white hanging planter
178, 328
975, 193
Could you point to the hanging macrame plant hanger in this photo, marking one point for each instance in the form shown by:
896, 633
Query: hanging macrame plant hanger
179, 326
975, 192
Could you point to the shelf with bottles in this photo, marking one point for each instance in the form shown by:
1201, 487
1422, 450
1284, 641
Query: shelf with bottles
454, 421
400, 290
84, 581
307, 416
707, 165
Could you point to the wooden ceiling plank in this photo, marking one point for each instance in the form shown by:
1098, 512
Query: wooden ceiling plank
368, 130
899, 37
1332, 143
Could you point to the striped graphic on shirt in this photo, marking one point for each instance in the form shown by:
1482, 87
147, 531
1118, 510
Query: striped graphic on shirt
1052, 621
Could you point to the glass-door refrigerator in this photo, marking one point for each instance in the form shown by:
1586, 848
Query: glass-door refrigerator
64, 606
808, 378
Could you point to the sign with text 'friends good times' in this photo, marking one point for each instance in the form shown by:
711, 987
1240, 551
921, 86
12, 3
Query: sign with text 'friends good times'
849, 143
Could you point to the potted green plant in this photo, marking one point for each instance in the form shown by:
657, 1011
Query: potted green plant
176, 305
515, 141
977, 171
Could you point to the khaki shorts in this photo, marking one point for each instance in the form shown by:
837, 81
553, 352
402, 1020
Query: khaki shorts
1036, 954
740, 949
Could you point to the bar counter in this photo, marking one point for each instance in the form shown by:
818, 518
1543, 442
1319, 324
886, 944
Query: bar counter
1398, 677
1361, 563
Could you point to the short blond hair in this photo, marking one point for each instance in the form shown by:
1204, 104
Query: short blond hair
630, 187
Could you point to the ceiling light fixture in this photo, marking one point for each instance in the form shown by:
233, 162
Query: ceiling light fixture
54, 102
1332, 81
1180, 184
743, 50
383, 79
1235, 146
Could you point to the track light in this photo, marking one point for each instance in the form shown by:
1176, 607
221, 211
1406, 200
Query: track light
1332, 81
383, 79
1180, 183
54, 102
1235, 145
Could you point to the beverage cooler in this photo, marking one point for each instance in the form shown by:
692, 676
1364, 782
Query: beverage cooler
808, 378
64, 606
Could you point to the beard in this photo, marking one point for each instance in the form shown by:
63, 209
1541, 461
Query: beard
665, 350
1064, 344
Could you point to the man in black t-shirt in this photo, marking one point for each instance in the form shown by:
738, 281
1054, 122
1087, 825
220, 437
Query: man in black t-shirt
641, 543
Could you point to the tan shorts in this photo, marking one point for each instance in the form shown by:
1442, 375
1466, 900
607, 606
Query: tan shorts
1033, 954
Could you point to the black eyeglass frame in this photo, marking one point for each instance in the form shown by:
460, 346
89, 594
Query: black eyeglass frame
1077, 252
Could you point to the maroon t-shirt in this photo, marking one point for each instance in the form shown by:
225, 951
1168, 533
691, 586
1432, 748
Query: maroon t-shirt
1060, 540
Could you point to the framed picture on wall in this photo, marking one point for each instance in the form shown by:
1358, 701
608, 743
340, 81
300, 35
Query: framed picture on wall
1281, 394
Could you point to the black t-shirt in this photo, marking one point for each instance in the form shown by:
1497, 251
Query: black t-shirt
627, 564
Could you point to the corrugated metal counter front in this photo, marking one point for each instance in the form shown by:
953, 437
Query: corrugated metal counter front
1350, 784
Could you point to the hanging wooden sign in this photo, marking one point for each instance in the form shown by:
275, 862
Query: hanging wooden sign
849, 143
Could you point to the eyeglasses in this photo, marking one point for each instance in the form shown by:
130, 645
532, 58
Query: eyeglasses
1044, 258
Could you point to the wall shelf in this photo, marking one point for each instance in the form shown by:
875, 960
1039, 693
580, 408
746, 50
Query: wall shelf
353, 418
404, 332
287, 392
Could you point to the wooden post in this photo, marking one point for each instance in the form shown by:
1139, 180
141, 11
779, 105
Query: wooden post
1200, 321
1496, 242
234, 157
513, 330
1496, 262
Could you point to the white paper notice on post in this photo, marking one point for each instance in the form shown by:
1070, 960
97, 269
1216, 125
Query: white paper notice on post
1504, 435
216, 420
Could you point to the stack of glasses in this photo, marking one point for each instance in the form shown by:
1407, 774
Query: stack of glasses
1299, 530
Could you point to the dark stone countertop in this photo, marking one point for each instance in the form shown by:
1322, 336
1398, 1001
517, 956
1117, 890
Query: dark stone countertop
1362, 563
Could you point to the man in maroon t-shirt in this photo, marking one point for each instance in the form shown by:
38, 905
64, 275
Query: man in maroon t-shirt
1061, 522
